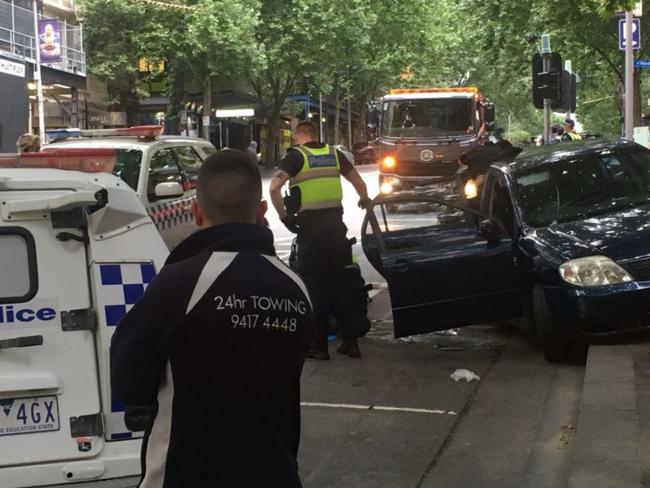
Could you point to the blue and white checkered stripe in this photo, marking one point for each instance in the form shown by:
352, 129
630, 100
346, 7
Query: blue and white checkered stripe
118, 286
170, 214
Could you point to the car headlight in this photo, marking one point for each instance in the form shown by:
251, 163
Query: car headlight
471, 190
593, 271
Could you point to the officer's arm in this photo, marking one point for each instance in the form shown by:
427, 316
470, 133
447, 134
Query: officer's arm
275, 189
359, 185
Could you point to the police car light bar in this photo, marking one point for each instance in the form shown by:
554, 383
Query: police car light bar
74, 159
146, 132
402, 91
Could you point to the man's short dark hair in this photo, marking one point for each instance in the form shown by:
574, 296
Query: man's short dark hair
569, 122
308, 128
229, 188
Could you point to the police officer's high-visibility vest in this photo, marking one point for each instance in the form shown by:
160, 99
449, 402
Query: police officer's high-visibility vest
319, 179
574, 136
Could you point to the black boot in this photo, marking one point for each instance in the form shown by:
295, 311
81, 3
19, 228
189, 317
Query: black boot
349, 348
318, 354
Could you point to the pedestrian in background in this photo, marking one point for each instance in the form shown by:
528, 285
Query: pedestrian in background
28, 143
556, 134
216, 345
314, 171
569, 131
252, 150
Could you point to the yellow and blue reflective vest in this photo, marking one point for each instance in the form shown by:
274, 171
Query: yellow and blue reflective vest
319, 180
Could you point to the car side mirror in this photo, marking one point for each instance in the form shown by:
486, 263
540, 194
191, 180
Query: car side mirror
491, 230
170, 189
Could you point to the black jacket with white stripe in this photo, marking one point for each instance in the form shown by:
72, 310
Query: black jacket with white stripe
216, 345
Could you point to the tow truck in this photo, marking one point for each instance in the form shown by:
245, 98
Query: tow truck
78, 250
423, 132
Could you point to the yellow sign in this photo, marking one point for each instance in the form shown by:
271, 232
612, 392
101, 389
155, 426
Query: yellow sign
144, 66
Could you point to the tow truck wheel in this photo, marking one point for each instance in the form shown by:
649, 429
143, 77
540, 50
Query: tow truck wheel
553, 338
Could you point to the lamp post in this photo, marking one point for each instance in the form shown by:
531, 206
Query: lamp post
629, 77
37, 76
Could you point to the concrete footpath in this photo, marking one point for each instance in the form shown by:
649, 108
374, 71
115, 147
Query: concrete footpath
612, 447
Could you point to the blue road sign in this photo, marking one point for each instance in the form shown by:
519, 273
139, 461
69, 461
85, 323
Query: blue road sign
636, 34
642, 63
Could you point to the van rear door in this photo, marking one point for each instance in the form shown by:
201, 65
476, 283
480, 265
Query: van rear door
49, 395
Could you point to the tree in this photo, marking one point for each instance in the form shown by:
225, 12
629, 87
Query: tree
220, 39
290, 36
204, 38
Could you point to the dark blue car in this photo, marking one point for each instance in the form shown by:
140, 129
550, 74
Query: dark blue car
560, 236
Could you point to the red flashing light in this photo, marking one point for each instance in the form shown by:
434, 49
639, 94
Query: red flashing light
73, 159
144, 131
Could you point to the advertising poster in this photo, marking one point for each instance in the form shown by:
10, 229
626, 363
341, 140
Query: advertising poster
49, 37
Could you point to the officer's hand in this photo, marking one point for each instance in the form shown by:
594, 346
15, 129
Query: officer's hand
364, 202
289, 222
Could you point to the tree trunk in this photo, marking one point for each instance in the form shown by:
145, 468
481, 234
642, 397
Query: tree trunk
272, 128
361, 123
207, 106
172, 119
350, 142
337, 113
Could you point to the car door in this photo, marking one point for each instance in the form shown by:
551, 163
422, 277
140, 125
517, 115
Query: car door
172, 215
441, 273
49, 393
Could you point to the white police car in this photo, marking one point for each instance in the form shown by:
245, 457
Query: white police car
161, 169
78, 249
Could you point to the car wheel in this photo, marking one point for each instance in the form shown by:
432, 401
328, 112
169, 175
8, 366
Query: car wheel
553, 337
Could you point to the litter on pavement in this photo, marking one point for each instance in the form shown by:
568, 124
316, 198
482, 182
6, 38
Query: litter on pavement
464, 374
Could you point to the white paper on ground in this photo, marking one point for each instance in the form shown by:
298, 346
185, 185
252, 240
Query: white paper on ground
464, 374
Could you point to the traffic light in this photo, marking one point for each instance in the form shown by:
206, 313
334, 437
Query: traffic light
568, 101
547, 84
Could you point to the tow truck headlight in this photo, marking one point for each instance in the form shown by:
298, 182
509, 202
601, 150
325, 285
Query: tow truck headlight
388, 185
593, 271
471, 190
389, 162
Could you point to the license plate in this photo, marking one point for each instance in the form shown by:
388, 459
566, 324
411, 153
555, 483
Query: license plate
29, 415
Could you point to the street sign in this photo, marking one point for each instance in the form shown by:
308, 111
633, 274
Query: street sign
642, 63
636, 34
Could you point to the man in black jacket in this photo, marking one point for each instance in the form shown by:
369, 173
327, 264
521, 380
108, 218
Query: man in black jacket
216, 346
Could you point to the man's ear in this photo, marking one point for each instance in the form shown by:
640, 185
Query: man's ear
198, 215
261, 212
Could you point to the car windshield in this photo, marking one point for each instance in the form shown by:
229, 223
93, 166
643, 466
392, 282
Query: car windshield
426, 118
127, 167
583, 187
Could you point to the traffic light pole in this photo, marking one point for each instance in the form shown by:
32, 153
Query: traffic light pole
629, 77
546, 60
547, 103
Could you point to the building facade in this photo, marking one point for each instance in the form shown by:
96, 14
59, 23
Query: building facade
64, 82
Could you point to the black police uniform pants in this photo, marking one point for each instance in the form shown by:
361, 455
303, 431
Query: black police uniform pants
323, 254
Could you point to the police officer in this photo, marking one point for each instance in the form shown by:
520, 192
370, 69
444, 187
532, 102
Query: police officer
569, 131
313, 170
216, 345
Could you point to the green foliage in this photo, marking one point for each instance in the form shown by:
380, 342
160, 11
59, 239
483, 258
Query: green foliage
281, 47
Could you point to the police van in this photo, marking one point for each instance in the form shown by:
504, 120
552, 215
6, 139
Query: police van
78, 249
161, 169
